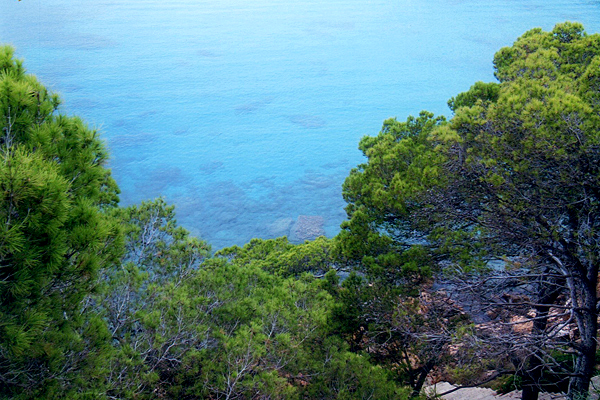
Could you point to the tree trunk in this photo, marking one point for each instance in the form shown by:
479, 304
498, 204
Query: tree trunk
423, 372
584, 368
530, 391
548, 293
586, 317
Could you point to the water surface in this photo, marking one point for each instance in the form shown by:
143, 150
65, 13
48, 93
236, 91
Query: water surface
247, 114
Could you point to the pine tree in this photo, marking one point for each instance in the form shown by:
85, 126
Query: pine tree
54, 236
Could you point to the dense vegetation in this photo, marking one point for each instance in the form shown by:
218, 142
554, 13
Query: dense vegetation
470, 253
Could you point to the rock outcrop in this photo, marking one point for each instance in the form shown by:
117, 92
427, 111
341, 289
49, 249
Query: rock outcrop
478, 393
307, 227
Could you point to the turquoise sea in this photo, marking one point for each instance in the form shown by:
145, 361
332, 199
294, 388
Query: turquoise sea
247, 114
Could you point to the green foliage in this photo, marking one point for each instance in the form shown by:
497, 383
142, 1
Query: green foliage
55, 236
506, 384
520, 184
378, 236
401, 163
480, 91
157, 245
513, 177
530, 155
251, 322
280, 257
152, 317
393, 262
266, 329
348, 375
565, 52
348, 311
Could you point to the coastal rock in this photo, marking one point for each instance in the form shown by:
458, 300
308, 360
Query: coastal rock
595, 388
478, 393
280, 227
307, 227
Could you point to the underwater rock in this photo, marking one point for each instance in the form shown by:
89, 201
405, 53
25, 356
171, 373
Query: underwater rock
280, 227
308, 121
307, 227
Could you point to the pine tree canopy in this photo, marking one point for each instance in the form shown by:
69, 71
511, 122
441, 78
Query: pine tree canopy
54, 231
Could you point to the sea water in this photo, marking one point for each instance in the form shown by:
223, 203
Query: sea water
247, 114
